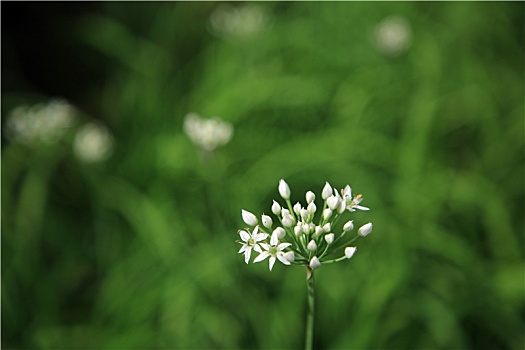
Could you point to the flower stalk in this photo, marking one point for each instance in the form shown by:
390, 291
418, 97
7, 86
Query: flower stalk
310, 315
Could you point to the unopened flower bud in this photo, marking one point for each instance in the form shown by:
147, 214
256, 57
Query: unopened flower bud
365, 230
297, 208
329, 238
315, 263
267, 221
298, 230
290, 256
306, 228
349, 226
327, 227
249, 218
327, 191
284, 189
333, 202
279, 232
318, 231
312, 245
288, 221
327, 213
312, 208
276, 208
304, 214
285, 212
310, 197
349, 252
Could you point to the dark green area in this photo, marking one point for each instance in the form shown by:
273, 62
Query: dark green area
139, 252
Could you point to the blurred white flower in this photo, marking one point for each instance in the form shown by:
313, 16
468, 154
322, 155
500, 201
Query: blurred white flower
41, 123
393, 35
93, 143
241, 21
207, 133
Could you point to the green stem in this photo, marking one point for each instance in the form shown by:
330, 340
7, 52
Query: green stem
309, 340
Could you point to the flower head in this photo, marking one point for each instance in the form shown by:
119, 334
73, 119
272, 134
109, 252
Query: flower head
301, 238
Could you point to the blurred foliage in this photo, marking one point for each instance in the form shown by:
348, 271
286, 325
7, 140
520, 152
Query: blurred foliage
139, 251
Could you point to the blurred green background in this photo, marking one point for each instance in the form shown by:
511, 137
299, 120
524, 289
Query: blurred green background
419, 106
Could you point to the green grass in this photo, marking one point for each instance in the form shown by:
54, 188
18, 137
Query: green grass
139, 251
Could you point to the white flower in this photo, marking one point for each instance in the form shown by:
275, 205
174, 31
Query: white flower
329, 238
93, 143
249, 218
276, 208
274, 250
327, 191
315, 263
310, 197
267, 221
311, 245
285, 212
349, 226
251, 242
365, 230
327, 227
284, 189
352, 203
207, 133
298, 230
349, 252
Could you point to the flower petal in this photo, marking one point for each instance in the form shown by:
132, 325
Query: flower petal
261, 257
247, 254
360, 207
245, 236
272, 262
283, 246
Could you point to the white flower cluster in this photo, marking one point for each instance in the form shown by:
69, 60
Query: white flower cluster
299, 239
41, 123
207, 133
241, 21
